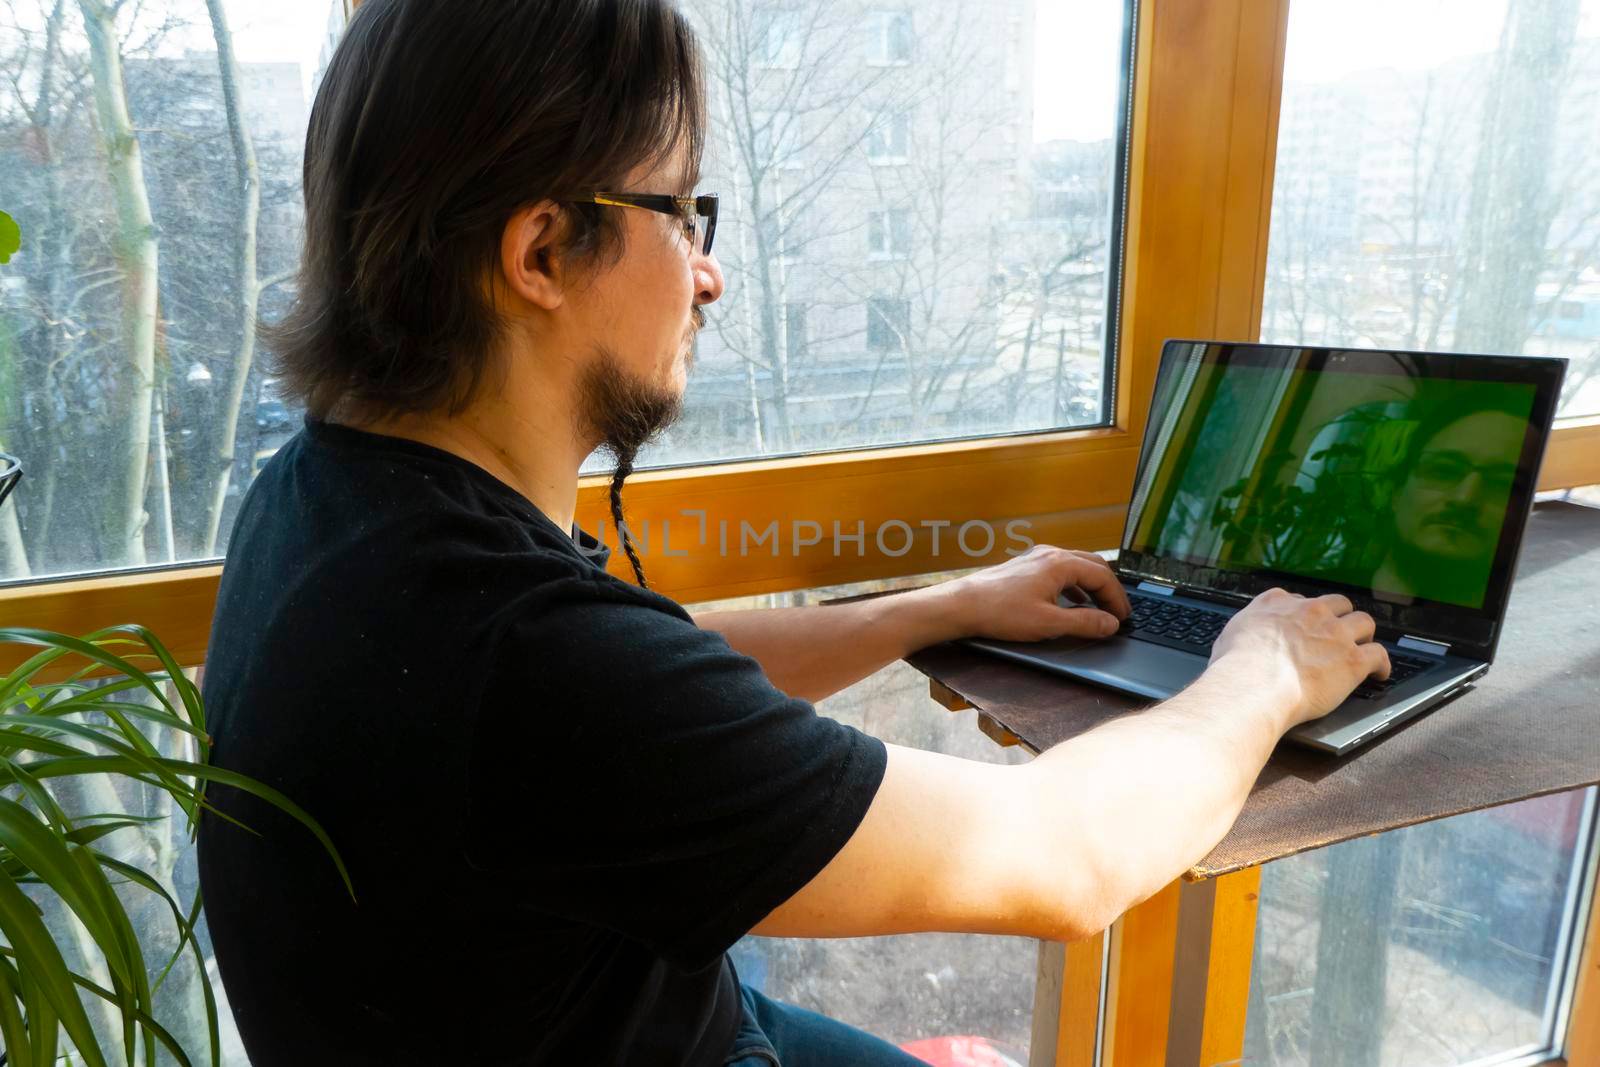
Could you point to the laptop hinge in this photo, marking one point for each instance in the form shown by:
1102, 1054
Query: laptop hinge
1422, 644
1157, 588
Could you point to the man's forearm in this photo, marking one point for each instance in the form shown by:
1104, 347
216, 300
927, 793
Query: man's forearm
1134, 803
813, 652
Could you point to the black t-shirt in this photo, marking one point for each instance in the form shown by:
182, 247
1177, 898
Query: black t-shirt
560, 801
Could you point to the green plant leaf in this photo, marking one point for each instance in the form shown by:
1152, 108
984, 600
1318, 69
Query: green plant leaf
42, 736
186, 938
31, 842
48, 1037
135, 998
188, 692
39, 962
18, 1046
152, 1027
139, 878
39, 795
94, 701
10, 237
58, 645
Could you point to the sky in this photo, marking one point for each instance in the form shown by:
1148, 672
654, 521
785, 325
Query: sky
285, 29
1077, 63
1329, 39
281, 31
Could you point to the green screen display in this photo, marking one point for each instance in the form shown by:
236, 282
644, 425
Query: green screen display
1381, 481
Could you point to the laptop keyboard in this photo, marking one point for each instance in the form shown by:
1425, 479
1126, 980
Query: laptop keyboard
1401, 667
1161, 622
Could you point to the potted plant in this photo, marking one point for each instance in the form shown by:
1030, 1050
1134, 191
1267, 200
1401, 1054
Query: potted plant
102, 708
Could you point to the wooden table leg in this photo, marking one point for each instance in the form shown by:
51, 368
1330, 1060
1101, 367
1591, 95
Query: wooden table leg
1583, 1028
1177, 981
1211, 981
1139, 982
1066, 1003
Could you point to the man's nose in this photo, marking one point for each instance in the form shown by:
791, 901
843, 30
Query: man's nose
1469, 488
708, 280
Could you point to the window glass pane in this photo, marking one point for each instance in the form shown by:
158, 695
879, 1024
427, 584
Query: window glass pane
1434, 183
953, 998
950, 172
992, 320
1440, 944
125, 376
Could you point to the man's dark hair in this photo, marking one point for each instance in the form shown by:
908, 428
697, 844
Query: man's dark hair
435, 122
1436, 411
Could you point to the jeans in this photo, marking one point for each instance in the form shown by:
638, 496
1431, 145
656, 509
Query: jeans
774, 1034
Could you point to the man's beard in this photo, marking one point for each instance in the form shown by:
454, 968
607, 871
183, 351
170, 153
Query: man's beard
1453, 579
625, 413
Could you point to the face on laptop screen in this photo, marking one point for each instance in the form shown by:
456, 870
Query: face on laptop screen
1380, 481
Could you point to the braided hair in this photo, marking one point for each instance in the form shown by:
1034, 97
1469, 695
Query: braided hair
620, 475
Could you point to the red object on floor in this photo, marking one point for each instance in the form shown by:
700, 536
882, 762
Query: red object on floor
964, 1051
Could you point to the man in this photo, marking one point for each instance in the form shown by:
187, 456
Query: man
1447, 510
560, 797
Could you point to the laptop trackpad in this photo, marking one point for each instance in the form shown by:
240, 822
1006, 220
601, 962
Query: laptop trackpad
1120, 663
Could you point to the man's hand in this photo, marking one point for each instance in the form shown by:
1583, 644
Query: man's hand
1016, 600
1318, 649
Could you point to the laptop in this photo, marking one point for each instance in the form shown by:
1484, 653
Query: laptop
1400, 479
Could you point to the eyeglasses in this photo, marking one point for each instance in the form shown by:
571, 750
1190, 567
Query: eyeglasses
690, 209
1447, 469
10, 475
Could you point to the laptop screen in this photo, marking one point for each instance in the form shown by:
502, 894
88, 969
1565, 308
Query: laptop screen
1399, 476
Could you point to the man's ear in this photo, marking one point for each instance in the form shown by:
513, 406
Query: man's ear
529, 254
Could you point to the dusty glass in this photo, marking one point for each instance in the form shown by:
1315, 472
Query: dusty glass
1434, 186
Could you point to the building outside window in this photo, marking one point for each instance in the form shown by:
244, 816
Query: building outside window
889, 139
920, 136
889, 233
889, 40
776, 138
780, 39
888, 323
794, 330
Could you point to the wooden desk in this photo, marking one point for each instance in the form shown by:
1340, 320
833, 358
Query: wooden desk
1176, 969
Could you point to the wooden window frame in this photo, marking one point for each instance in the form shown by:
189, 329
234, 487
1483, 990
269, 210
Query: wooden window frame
1206, 90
